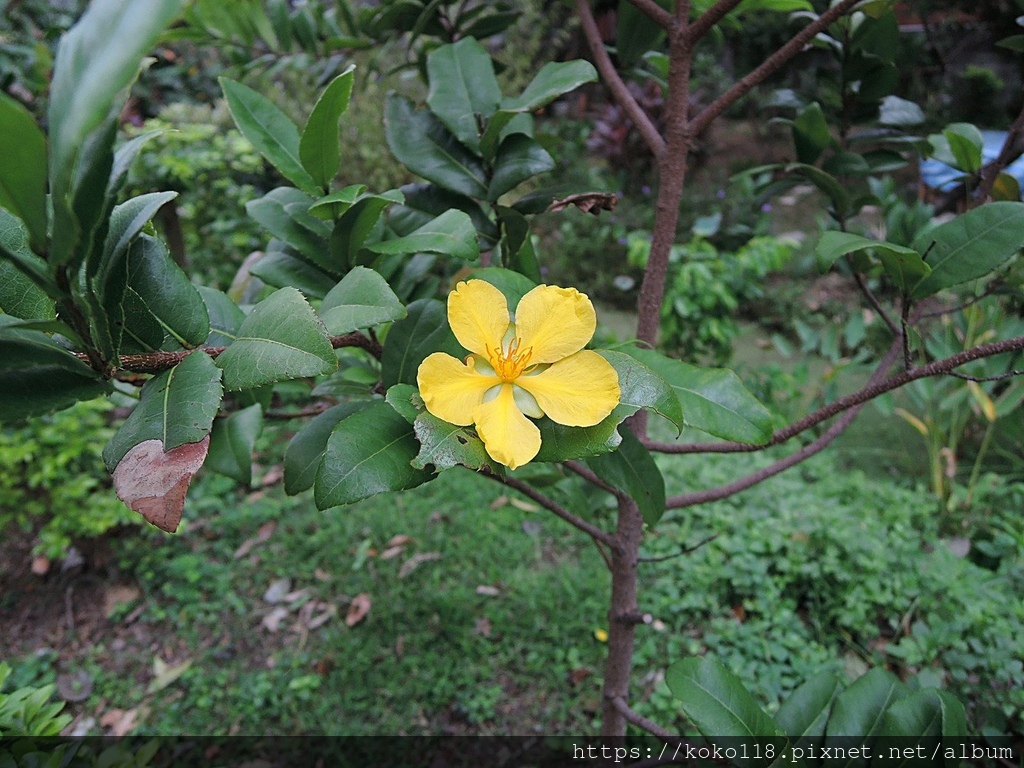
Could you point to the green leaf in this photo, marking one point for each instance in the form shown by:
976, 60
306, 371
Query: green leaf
714, 700
444, 445
272, 213
858, 711
904, 265
560, 443
90, 80
356, 224
1013, 43
232, 442
225, 316
965, 144
270, 131
126, 222
409, 341
895, 111
14, 246
423, 145
970, 246
320, 143
554, 79
362, 299
332, 206
176, 407
159, 289
37, 376
425, 202
637, 33
803, 715
280, 339
825, 182
21, 297
811, 134
368, 453
282, 267
918, 715
512, 284
462, 88
406, 401
643, 387
452, 233
23, 171
306, 450
519, 158
1006, 188
632, 469
713, 400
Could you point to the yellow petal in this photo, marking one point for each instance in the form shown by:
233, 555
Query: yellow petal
578, 391
509, 437
478, 315
555, 322
451, 389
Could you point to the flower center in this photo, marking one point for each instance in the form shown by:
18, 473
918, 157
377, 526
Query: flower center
510, 362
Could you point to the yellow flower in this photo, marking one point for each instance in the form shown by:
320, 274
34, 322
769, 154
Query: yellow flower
532, 364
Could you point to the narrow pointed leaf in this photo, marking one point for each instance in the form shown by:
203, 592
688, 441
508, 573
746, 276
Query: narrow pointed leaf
859, 710
306, 450
362, 299
462, 88
176, 407
320, 144
232, 442
903, 265
452, 234
126, 221
803, 715
519, 158
272, 213
632, 469
367, 453
225, 316
270, 130
554, 80
355, 225
23, 171
332, 206
14, 247
281, 339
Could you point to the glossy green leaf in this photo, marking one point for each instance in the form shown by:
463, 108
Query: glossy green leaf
14, 247
641, 386
519, 158
517, 252
320, 143
270, 131
970, 246
282, 267
512, 284
554, 79
362, 299
37, 376
23, 171
811, 133
409, 341
825, 182
859, 710
225, 316
368, 453
632, 469
90, 80
463, 88
332, 206
903, 265
126, 222
561, 443
272, 213
714, 700
965, 143
20, 297
637, 33
406, 401
176, 407
444, 445
713, 400
356, 224
423, 145
158, 288
280, 339
895, 111
306, 450
452, 234
804, 713
425, 202
232, 442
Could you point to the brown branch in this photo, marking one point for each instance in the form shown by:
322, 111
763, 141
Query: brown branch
771, 65
643, 723
869, 392
681, 552
703, 23
587, 474
868, 294
724, 491
552, 506
655, 13
155, 362
1011, 150
615, 83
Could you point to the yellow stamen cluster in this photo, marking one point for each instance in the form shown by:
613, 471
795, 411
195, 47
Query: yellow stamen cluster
509, 364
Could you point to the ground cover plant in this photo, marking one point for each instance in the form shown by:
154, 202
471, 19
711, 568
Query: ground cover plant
372, 299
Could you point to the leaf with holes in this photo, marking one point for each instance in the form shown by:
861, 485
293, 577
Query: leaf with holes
444, 445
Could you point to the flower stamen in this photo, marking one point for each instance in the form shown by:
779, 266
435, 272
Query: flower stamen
510, 363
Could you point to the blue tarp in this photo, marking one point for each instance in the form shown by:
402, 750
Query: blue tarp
940, 176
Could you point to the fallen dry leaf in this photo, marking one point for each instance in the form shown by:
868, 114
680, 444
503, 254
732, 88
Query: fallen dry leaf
40, 565
578, 675
119, 721
154, 482
400, 540
588, 202
264, 532
357, 609
525, 506
487, 591
317, 620
482, 627
414, 562
274, 475
321, 574
298, 594
164, 674
392, 552
118, 595
272, 621
277, 590
499, 502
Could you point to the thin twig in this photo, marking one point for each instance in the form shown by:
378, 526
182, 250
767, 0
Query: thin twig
616, 84
1011, 150
577, 522
771, 65
655, 13
314, 410
587, 474
865, 289
981, 379
703, 23
681, 552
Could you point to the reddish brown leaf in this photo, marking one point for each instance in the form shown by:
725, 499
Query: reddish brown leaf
588, 202
153, 482
578, 675
414, 562
262, 535
40, 565
357, 609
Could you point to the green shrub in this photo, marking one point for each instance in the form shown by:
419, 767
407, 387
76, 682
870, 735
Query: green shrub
54, 481
27, 711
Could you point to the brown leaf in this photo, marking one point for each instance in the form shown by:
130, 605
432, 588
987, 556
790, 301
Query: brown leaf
499, 502
264, 532
272, 621
274, 475
588, 202
482, 627
413, 562
40, 565
327, 612
119, 594
400, 540
392, 552
321, 574
154, 482
119, 721
525, 506
357, 609
488, 591
578, 675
